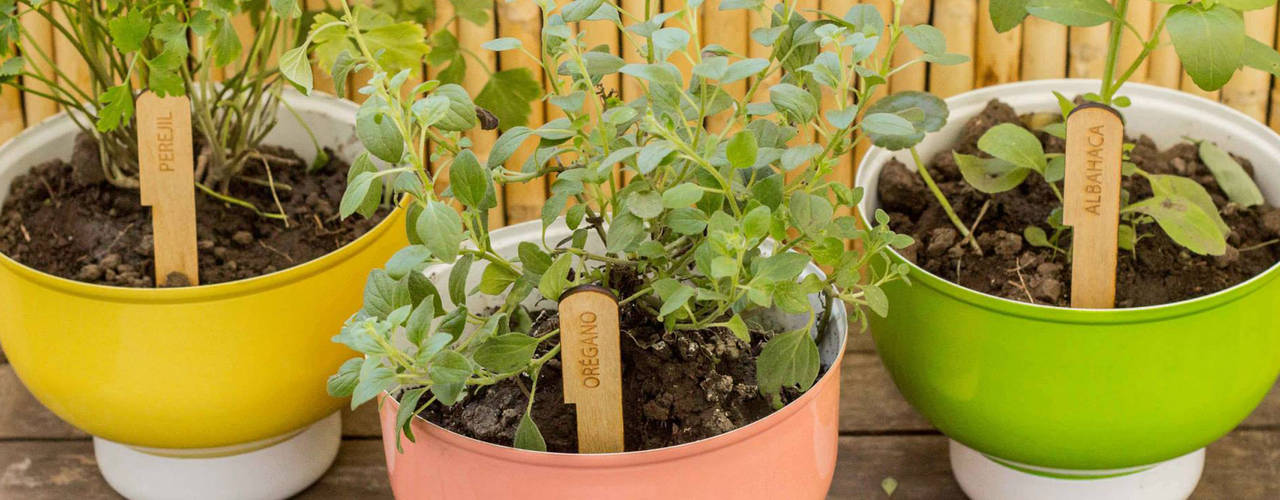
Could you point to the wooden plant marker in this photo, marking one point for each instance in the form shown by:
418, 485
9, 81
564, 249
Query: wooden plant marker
1091, 203
167, 174
592, 359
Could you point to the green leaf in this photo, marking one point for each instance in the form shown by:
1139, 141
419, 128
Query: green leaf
496, 278
406, 260
755, 224
652, 155
1185, 223
687, 221
462, 112
799, 105
683, 195
288, 9
448, 372
742, 150
1175, 186
458, 279
115, 106
440, 229
364, 189
578, 10
508, 95
408, 408
645, 204
377, 132
469, 181
887, 124
787, 360
1080, 13
785, 266
556, 279
1260, 56
1007, 14
398, 46
876, 300
343, 383
1014, 144
926, 112
743, 69
1247, 4
528, 437
1036, 237
534, 259
506, 353
419, 324
501, 44
1209, 42
295, 67
1231, 177
626, 231
674, 295
990, 175
383, 294
374, 378
129, 31
927, 38
810, 213
739, 328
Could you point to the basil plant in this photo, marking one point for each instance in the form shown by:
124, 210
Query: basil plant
1210, 39
718, 222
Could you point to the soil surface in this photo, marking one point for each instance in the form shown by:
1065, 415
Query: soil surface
677, 387
1160, 271
64, 219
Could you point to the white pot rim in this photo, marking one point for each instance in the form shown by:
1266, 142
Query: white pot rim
1241, 125
55, 127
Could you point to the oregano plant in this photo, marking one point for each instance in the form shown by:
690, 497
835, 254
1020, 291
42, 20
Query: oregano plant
1209, 38
718, 223
172, 48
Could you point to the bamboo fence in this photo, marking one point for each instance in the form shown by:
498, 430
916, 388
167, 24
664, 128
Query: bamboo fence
1036, 50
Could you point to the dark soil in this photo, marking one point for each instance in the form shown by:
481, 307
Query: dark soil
677, 387
1160, 272
62, 219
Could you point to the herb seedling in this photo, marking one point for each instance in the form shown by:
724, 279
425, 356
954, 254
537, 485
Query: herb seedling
719, 223
1209, 37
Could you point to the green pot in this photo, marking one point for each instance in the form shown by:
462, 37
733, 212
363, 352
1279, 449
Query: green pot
1086, 390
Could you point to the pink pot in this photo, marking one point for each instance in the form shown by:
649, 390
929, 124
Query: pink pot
790, 454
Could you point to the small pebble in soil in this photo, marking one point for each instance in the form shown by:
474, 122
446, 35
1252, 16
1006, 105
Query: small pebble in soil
242, 238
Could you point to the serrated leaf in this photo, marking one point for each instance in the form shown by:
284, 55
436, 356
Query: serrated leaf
508, 95
343, 383
374, 378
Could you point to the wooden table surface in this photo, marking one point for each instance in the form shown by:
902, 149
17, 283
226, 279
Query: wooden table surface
881, 436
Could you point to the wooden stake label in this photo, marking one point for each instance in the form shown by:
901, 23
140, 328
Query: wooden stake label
167, 174
592, 366
1091, 202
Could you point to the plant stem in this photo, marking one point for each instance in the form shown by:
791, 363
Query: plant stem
942, 200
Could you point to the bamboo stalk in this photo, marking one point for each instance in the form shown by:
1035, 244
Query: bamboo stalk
323, 82
358, 79
957, 19
522, 20
1164, 68
11, 120
470, 38
1248, 91
1044, 49
1139, 16
916, 77
1087, 55
730, 29
37, 108
444, 19
68, 58
998, 54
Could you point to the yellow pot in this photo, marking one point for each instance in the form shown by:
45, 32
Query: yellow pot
201, 367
